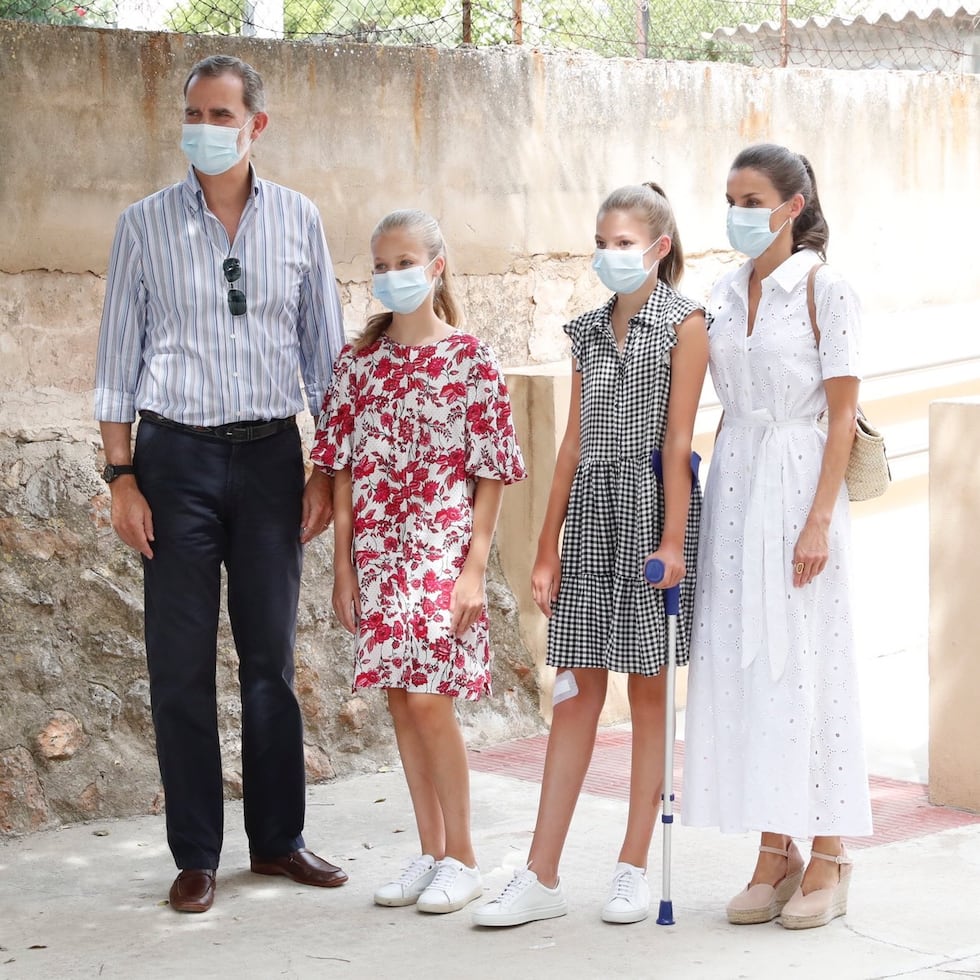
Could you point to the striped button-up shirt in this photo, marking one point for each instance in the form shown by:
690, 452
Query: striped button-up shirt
168, 341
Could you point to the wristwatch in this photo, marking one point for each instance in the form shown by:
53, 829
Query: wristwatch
113, 470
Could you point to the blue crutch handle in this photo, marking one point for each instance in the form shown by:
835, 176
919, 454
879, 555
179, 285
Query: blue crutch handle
653, 572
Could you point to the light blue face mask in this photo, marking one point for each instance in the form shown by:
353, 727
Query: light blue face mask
212, 149
621, 270
748, 229
403, 290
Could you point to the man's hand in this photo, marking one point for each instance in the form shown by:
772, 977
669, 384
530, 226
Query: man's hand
131, 516
317, 505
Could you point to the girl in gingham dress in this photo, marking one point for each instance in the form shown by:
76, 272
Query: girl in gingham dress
639, 364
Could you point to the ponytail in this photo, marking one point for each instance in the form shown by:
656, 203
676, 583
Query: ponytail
810, 229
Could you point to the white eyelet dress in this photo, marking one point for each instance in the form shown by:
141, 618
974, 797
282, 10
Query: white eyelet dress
773, 737
606, 614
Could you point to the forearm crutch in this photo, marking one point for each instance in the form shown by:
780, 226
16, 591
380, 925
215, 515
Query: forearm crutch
654, 573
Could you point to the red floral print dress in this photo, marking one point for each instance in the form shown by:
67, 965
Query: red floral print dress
417, 426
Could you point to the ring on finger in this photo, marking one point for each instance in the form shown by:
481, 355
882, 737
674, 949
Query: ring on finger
799, 568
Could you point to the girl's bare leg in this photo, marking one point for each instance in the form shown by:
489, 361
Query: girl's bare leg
570, 745
648, 703
418, 775
447, 771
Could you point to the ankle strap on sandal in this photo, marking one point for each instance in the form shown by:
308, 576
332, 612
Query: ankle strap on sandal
835, 858
766, 849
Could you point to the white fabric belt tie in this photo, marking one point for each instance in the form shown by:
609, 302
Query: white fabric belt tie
763, 546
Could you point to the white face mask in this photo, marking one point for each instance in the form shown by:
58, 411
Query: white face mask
403, 290
748, 229
622, 270
213, 149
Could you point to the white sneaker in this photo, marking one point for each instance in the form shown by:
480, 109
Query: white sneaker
524, 899
629, 897
453, 886
406, 888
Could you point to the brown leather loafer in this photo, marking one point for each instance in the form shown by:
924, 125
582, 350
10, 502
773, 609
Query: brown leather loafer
302, 866
192, 890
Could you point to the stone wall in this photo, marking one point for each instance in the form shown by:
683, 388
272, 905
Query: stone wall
76, 737
512, 150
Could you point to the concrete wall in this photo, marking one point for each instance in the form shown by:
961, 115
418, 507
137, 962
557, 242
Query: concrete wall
954, 617
512, 150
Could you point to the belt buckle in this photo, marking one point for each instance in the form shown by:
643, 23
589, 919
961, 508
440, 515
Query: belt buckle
237, 433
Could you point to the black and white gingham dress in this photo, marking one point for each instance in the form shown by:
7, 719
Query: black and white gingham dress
606, 615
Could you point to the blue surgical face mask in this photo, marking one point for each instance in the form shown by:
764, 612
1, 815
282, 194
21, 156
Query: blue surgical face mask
212, 149
748, 229
622, 270
403, 290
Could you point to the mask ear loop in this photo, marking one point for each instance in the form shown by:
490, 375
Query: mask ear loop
436, 280
657, 261
788, 221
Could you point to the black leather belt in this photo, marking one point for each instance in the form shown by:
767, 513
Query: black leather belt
230, 432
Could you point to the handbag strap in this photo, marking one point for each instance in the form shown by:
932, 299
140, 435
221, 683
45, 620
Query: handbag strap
811, 303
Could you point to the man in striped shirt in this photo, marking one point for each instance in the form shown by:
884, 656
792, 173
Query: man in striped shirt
220, 296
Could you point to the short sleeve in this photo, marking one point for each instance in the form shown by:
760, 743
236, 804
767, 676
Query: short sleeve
678, 310
839, 323
576, 331
332, 442
491, 443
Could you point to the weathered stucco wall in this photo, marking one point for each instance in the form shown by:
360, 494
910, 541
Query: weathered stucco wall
512, 150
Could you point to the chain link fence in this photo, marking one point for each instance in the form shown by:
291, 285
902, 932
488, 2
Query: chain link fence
816, 33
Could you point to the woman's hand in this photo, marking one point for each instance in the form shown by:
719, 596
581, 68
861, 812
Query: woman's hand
546, 580
346, 596
467, 601
673, 562
810, 554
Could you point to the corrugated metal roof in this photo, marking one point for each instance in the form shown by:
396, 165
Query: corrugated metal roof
873, 10
877, 18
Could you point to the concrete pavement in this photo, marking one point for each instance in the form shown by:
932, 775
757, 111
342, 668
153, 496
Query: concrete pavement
90, 900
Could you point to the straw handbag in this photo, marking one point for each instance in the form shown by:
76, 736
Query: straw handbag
868, 474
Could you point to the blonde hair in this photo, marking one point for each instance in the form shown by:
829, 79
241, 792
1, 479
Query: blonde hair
425, 230
649, 202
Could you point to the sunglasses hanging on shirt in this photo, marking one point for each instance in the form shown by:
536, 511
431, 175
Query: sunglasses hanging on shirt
232, 269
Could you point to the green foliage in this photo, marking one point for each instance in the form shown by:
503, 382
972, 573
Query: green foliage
303, 19
60, 12
374, 21
668, 29
213, 17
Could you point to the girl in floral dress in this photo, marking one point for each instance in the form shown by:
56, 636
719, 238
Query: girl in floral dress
417, 432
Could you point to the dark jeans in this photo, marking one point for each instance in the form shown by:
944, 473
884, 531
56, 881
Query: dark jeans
240, 505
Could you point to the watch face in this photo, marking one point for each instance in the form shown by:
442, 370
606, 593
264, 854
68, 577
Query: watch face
110, 472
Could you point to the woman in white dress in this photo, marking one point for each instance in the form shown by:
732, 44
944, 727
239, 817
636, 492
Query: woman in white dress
773, 733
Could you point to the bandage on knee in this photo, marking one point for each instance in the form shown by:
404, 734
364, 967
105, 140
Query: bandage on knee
565, 688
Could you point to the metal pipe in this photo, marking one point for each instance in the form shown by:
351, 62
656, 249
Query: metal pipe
783, 33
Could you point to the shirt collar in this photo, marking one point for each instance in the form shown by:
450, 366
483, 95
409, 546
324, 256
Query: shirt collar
794, 270
786, 276
645, 316
194, 193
